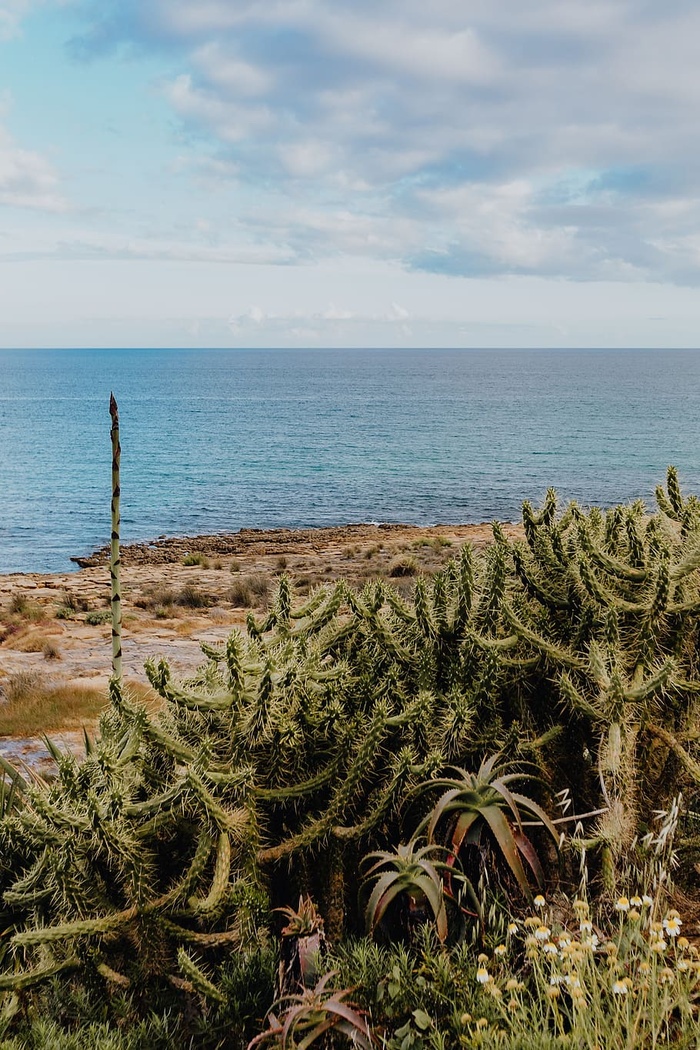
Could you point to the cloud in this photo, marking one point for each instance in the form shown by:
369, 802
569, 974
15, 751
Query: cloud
82, 247
12, 13
485, 137
331, 326
27, 180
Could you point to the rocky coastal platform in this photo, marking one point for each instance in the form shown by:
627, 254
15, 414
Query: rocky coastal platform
181, 591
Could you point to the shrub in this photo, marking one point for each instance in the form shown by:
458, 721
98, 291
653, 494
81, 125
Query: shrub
50, 650
403, 566
74, 602
21, 686
21, 605
301, 744
96, 618
250, 591
191, 597
156, 596
196, 558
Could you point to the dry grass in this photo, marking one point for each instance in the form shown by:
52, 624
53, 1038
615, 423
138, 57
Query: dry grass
184, 628
22, 608
190, 597
250, 591
403, 566
74, 602
143, 693
29, 641
50, 650
157, 596
32, 708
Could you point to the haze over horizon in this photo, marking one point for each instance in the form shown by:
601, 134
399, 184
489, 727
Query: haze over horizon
307, 173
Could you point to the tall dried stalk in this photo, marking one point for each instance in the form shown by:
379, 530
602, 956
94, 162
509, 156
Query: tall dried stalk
114, 560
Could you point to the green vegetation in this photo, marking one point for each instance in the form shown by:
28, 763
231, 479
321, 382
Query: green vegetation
147, 885
197, 558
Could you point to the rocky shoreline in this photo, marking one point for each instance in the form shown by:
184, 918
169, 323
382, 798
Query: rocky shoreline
168, 549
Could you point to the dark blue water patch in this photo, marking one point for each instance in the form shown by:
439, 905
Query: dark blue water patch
214, 441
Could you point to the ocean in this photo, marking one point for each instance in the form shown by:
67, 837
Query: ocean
214, 441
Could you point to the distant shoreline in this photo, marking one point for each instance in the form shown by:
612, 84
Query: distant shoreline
166, 550
55, 631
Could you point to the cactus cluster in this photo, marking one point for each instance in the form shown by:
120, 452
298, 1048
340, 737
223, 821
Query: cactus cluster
299, 741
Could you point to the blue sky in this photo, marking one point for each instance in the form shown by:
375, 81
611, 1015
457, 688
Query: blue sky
345, 173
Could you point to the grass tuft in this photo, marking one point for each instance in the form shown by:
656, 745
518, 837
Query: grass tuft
196, 558
403, 566
190, 597
250, 592
32, 707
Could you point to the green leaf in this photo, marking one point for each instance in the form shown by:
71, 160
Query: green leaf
503, 834
422, 1020
537, 811
464, 823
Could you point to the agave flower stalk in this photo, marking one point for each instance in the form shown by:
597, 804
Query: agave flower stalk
114, 559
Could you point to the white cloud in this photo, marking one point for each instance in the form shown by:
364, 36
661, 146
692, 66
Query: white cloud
482, 137
230, 74
228, 120
434, 52
12, 13
27, 180
335, 313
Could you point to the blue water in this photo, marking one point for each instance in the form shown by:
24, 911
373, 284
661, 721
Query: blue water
218, 440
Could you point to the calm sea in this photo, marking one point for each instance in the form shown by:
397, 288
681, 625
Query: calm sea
218, 440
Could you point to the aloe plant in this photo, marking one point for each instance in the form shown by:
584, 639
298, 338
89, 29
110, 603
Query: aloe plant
412, 873
298, 1021
475, 803
302, 941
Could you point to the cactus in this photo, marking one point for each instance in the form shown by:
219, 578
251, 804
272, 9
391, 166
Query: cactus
193, 973
301, 740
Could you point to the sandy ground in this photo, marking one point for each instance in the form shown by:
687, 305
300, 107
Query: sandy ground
69, 650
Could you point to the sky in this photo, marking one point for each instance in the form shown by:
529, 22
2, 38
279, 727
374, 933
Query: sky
334, 173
